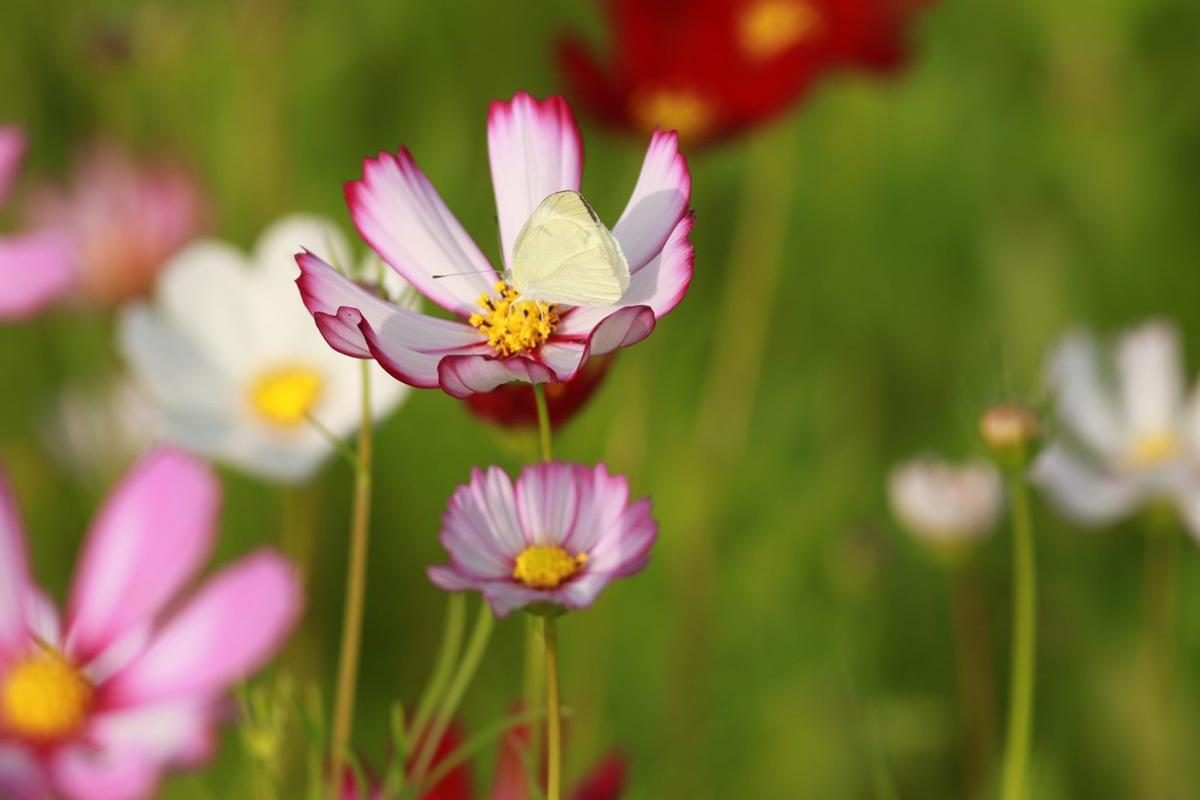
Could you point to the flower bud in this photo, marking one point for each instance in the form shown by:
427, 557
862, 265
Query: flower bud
1010, 430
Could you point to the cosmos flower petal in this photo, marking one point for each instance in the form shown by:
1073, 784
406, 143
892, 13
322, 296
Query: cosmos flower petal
1150, 371
605, 781
21, 776
481, 529
624, 548
178, 732
1084, 404
223, 634
152, 535
12, 153
82, 772
400, 214
462, 375
407, 343
15, 589
1187, 501
660, 285
1082, 492
602, 501
547, 502
941, 501
622, 328
659, 201
535, 150
35, 270
507, 596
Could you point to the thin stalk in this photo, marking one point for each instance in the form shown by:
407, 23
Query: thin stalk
1160, 575
544, 430
456, 623
454, 694
1024, 643
356, 584
553, 712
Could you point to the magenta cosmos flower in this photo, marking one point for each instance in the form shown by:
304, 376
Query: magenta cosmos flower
535, 151
553, 540
131, 682
35, 267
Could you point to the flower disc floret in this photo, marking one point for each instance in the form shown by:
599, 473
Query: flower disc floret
511, 325
44, 697
546, 566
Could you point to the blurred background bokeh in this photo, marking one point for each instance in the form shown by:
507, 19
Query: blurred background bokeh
1036, 166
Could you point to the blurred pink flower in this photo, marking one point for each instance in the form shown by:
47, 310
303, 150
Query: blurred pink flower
554, 540
536, 151
124, 219
97, 708
34, 267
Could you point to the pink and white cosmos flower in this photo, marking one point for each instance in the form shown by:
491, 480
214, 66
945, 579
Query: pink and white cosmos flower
35, 267
130, 684
554, 540
535, 150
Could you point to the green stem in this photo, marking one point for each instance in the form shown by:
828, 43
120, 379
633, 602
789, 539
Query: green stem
544, 430
1024, 644
1159, 588
553, 712
454, 694
356, 583
456, 623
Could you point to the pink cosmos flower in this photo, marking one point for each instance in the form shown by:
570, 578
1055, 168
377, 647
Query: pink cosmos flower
535, 151
130, 684
123, 218
554, 540
35, 267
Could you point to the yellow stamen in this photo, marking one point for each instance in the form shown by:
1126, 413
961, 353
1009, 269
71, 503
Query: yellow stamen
286, 395
44, 697
514, 326
546, 566
770, 27
1154, 449
681, 110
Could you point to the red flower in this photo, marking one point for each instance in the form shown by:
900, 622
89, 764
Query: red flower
513, 405
711, 68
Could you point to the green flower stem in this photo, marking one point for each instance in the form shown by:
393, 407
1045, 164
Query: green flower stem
544, 431
1024, 644
452, 637
356, 584
553, 712
472, 656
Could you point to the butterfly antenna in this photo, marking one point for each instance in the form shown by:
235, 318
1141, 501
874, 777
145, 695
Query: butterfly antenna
459, 274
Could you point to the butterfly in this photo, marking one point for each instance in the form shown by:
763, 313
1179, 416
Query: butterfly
565, 254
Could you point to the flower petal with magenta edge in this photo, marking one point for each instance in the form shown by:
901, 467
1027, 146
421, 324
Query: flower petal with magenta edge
399, 213
660, 199
462, 375
535, 150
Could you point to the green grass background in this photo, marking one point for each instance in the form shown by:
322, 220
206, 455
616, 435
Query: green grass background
1038, 167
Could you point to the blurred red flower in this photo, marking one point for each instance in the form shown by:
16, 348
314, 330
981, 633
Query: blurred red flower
513, 405
712, 68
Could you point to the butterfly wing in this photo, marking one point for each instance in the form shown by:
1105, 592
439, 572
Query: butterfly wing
564, 254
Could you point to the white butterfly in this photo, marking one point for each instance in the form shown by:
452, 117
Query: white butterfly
564, 254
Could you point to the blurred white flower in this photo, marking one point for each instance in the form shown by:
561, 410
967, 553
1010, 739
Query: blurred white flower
1129, 436
97, 431
944, 502
229, 354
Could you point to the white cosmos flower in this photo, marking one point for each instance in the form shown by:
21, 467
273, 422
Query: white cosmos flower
231, 357
941, 501
1130, 437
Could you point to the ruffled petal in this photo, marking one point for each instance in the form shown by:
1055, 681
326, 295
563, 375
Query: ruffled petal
535, 150
1085, 405
547, 499
659, 201
152, 535
221, 636
1080, 491
660, 285
400, 214
1150, 369
481, 530
35, 270
623, 548
15, 589
12, 153
462, 375
408, 344
623, 328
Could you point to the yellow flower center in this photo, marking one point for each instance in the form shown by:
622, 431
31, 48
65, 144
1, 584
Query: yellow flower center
514, 326
681, 110
285, 396
546, 566
1154, 449
769, 27
44, 697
